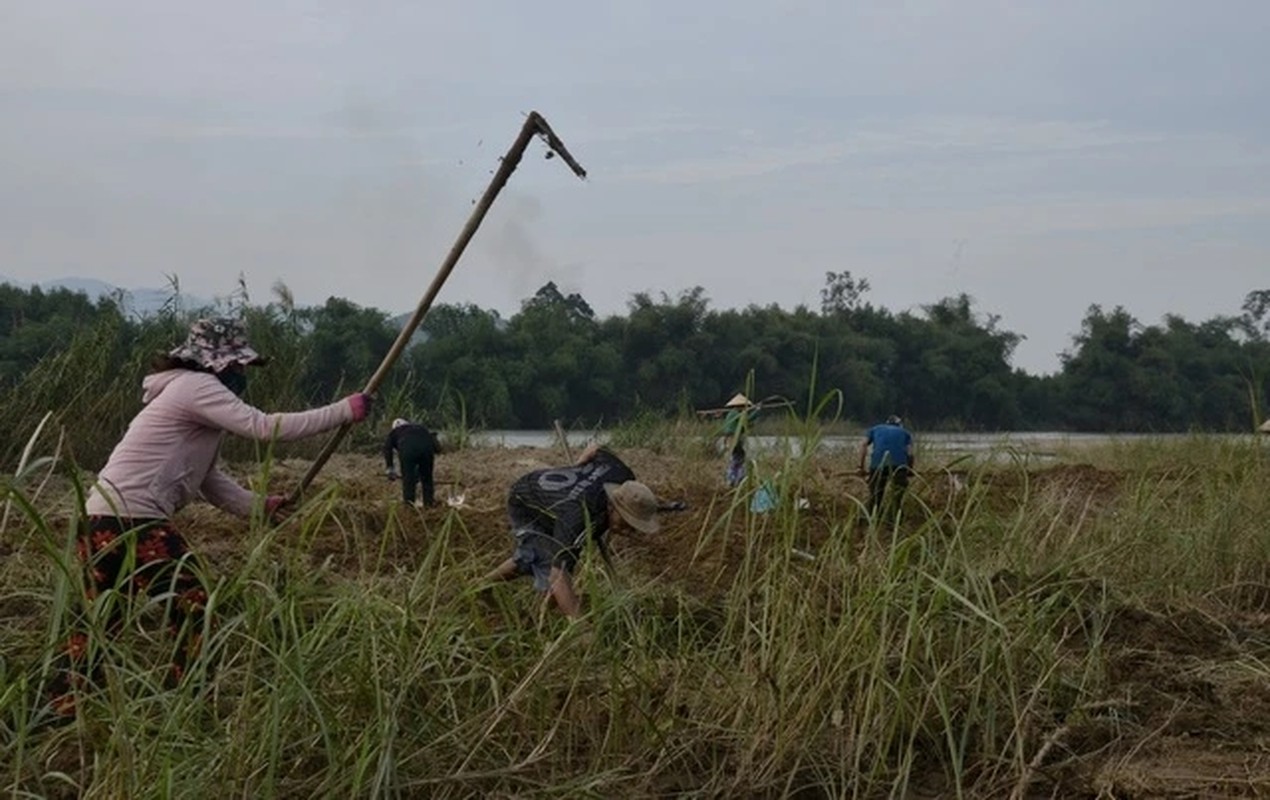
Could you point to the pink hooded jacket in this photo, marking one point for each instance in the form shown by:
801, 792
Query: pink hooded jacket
167, 457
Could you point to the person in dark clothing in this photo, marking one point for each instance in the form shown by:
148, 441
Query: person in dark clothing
416, 448
553, 511
890, 465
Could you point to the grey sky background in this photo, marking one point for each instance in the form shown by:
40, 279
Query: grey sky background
1038, 156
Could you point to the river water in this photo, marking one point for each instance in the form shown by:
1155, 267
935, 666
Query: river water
1034, 446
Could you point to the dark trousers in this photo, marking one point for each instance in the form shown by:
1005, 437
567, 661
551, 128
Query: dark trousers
416, 469
736, 465
132, 557
880, 478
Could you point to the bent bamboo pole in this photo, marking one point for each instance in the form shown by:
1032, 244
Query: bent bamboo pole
535, 125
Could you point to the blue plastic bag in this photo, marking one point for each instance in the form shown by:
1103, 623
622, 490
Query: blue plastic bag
765, 498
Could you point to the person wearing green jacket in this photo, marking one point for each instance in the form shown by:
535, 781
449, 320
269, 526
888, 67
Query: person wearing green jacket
736, 424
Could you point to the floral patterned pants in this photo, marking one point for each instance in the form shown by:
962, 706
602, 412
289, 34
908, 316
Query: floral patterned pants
133, 557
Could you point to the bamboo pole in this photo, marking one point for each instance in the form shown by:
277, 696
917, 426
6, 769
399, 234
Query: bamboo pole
564, 441
535, 125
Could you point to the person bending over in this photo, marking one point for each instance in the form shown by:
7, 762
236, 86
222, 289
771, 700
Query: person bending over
416, 448
890, 464
553, 512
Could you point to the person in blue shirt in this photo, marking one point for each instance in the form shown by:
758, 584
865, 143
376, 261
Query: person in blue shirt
890, 464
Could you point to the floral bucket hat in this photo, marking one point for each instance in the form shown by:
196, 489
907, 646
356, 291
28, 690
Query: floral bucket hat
216, 343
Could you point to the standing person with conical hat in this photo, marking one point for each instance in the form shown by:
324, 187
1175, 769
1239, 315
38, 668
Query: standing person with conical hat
739, 416
416, 448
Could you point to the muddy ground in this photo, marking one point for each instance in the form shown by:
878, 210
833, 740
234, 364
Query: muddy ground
1187, 710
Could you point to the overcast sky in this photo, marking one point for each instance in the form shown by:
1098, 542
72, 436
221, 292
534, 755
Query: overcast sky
1038, 156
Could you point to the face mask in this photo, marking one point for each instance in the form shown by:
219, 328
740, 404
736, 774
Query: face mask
235, 382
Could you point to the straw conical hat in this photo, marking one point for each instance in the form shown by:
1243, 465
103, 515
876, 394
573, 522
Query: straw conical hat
1265, 427
738, 401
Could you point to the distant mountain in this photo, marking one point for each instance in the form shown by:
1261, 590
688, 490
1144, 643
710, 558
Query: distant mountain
142, 302
89, 286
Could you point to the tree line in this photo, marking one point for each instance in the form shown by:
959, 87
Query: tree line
946, 366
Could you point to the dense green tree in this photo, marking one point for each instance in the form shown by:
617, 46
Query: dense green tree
1099, 374
555, 371
346, 344
1123, 376
843, 293
459, 368
35, 324
954, 367
1256, 316
665, 347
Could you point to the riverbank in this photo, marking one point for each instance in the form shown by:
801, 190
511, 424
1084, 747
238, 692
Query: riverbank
1035, 447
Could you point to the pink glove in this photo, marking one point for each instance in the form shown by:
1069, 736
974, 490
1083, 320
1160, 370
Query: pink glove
361, 404
272, 505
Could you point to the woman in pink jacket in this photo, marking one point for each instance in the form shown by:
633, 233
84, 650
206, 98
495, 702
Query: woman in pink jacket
166, 459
